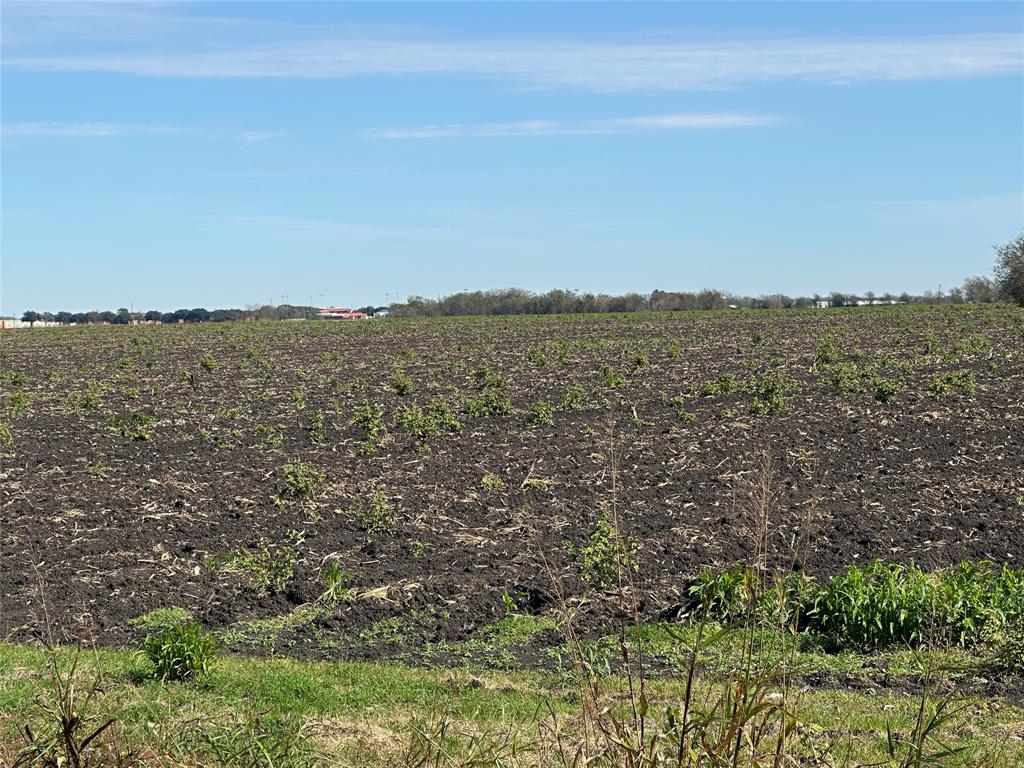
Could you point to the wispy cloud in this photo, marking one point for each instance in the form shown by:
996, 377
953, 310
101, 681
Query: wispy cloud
107, 130
169, 42
1006, 207
88, 130
639, 124
253, 137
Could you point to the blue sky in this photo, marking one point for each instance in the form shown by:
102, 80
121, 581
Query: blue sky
162, 155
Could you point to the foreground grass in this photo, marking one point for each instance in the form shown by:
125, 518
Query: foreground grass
283, 712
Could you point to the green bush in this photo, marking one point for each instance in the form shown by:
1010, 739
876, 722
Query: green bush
401, 384
540, 414
378, 517
488, 378
135, 426
488, 403
182, 652
886, 390
945, 383
266, 569
574, 398
846, 378
723, 596
879, 604
828, 352
425, 424
612, 378
769, 390
370, 419
606, 555
301, 480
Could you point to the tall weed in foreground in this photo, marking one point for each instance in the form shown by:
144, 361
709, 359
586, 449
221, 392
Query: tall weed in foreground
748, 717
69, 727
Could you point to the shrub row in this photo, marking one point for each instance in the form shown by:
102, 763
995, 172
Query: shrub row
875, 605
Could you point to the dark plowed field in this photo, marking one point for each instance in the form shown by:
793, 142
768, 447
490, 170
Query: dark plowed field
223, 469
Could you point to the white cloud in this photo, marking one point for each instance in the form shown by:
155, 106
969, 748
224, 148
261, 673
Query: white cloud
253, 137
106, 130
88, 130
640, 124
167, 41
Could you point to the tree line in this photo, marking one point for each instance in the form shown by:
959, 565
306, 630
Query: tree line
1006, 284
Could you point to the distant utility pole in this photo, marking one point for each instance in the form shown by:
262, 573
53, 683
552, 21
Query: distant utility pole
321, 299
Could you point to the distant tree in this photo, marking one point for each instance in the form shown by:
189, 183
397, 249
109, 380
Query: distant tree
123, 316
64, 317
979, 290
152, 315
31, 317
1009, 269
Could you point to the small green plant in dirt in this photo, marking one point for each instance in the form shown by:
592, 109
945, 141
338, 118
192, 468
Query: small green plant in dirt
612, 378
209, 363
488, 403
401, 384
14, 379
301, 480
370, 419
181, 652
541, 413
91, 399
378, 517
943, 384
574, 398
769, 390
491, 482
607, 557
336, 583
136, 426
17, 403
536, 358
725, 384
423, 424
829, 352
265, 569
846, 378
299, 400
318, 427
488, 378
273, 434
886, 390
641, 360
6, 438
678, 404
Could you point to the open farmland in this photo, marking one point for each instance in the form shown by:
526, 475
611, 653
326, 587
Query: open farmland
432, 476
